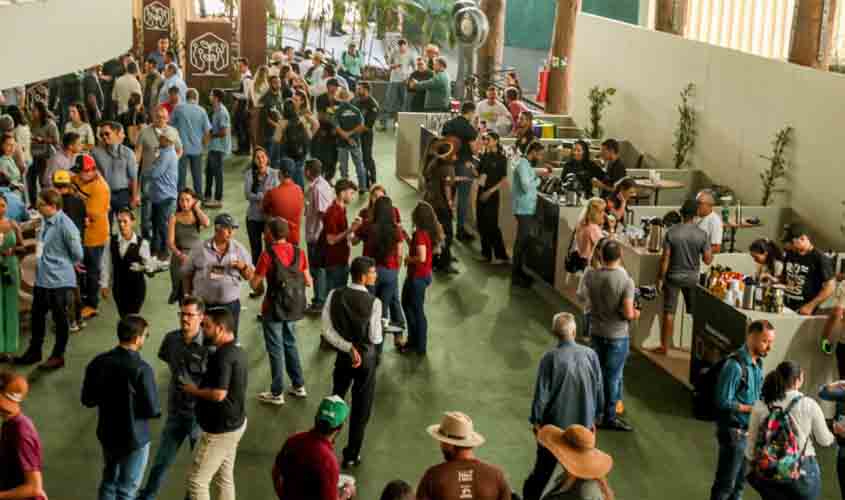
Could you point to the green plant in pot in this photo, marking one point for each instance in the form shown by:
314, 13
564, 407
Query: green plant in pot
599, 101
686, 132
428, 21
778, 165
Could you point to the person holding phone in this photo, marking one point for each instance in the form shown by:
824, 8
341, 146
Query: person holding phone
183, 234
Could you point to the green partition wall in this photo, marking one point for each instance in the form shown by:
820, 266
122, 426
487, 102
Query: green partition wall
530, 22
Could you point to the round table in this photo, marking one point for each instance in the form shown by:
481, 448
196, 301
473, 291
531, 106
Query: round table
656, 187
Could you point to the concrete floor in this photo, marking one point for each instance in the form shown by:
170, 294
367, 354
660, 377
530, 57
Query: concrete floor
485, 343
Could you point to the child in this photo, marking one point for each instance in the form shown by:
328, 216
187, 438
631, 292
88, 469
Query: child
8, 167
125, 259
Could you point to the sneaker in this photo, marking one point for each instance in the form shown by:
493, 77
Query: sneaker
88, 312
53, 363
393, 329
314, 308
161, 264
74, 327
271, 399
299, 392
501, 262
617, 424
827, 346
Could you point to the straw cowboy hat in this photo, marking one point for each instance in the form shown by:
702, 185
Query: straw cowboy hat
443, 148
575, 449
456, 429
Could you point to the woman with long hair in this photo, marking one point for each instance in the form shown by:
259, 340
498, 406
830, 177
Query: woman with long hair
22, 133
428, 235
384, 245
589, 229
623, 192
768, 257
260, 86
45, 137
133, 119
183, 233
584, 168
292, 139
302, 104
781, 395
11, 240
78, 123
493, 175
258, 179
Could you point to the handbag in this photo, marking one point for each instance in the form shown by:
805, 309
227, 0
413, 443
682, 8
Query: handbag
574, 263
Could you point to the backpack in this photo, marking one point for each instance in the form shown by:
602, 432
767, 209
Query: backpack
704, 392
776, 453
296, 140
286, 288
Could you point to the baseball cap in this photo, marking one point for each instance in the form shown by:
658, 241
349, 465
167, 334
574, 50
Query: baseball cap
61, 178
226, 220
13, 390
689, 208
84, 163
333, 411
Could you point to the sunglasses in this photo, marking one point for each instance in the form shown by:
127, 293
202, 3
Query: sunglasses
105, 135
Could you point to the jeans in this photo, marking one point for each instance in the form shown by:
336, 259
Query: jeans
233, 307
214, 460
544, 467
343, 154
57, 302
297, 175
120, 198
336, 277
612, 354
214, 175
194, 162
161, 216
463, 190
387, 286
524, 228
275, 152
146, 210
327, 153
809, 487
413, 302
123, 475
280, 341
318, 273
367, 139
176, 429
730, 470
92, 259
255, 231
838, 395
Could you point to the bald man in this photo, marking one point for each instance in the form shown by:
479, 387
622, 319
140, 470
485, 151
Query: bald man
709, 221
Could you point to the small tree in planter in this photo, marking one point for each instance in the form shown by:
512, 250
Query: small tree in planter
778, 165
599, 101
686, 132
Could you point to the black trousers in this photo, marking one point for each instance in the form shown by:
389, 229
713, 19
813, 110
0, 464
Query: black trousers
536, 482
130, 299
255, 230
55, 301
362, 380
524, 228
326, 152
241, 125
487, 216
444, 260
367, 139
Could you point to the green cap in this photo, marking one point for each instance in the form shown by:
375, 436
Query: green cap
333, 411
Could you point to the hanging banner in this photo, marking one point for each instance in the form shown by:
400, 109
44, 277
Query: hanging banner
208, 53
156, 20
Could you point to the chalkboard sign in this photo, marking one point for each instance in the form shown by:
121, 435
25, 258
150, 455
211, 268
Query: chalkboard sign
717, 330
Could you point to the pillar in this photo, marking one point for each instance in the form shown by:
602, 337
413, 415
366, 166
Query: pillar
812, 33
253, 31
672, 16
563, 40
491, 54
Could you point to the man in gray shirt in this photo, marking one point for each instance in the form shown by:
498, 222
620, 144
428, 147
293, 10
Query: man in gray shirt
610, 292
685, 246
117, 164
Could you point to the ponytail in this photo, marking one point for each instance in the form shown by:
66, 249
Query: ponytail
780, 380
772, 251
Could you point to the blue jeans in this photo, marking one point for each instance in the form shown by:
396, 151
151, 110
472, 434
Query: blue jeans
122, 475
176, 429
387, 288
344, 151
730, 470
336, 277
809, 487
275, 152
92, 259
161, 213
318, 274
837, 395
146, 210
612, 355
413, 302
194, 162
298, 173
214, 175
280, 341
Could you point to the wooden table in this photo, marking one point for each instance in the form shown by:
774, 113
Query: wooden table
731, 229
662, 184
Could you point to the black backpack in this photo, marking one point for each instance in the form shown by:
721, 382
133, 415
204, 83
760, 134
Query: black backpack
286, 288
296, 140
704, 392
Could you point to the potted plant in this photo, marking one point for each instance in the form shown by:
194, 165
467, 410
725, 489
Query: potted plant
686, 132
778, 164
599, 101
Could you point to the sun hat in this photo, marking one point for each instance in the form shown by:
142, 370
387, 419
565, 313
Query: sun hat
13, 391
575, 449
333, 410
456, 429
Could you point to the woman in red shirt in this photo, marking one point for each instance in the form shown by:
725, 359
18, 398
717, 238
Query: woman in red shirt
428, 234
384, 245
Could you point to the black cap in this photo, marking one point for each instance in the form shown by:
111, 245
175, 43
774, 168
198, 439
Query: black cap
332, 82
689, 208
226, 220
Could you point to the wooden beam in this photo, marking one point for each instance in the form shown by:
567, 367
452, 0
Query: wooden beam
672, 16
812, 37
563, 40
491, 54
253, 31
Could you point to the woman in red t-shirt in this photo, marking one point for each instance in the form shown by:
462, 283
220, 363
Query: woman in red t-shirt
384, 245
428, 234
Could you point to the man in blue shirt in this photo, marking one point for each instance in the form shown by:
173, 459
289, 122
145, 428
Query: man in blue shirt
569, 391
524, 193
121, 385
172, 79
58, 252
191, 120
219, 147
161, 179
15, 207
158, 54
119, 167
739, 385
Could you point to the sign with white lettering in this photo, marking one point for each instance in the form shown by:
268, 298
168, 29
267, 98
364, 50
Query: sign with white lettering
156, 16
209, 56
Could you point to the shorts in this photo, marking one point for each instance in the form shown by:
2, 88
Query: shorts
670, 296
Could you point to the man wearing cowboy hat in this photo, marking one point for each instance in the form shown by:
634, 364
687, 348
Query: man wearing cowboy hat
585, 468
461, 475
20, 446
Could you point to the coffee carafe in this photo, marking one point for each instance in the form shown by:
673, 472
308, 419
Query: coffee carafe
655, 235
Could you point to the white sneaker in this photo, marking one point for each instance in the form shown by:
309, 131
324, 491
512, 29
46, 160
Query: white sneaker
73, 327
393, 329
162, 265
269, 398
299, 392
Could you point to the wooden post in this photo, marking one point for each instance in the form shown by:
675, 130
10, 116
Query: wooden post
672, 16
812, 34
563, 39
253, 31
491, 54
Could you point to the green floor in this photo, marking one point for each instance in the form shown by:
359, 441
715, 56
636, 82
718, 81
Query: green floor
485, 341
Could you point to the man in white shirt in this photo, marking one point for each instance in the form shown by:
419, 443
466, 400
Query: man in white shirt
495, 114
125, 86
708, 220
319, 196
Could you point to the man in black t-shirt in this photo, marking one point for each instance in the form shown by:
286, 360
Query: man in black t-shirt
807, 273
220, 409
614, 168
463, 129
324, 143
370, 109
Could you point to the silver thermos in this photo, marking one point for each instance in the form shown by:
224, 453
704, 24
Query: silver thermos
750, 294
655, 235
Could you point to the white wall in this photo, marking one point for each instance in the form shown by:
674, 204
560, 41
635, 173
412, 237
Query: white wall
43, 40
742, 101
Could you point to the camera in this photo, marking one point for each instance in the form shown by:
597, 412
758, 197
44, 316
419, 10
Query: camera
644, 293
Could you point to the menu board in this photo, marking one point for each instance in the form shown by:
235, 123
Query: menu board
717, 330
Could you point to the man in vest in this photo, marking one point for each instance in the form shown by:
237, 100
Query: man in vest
352, 324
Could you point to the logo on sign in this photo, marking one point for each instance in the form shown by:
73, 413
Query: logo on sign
157, 17
209, 55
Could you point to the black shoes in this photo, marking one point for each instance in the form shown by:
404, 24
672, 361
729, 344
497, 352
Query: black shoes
450, 269
617, 424
465, 237
522, 281
350, 463
28, 359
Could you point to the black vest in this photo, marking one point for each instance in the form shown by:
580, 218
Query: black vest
123, 276
350, 313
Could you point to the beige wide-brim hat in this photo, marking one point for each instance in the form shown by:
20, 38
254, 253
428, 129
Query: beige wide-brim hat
456, 429
575, 449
